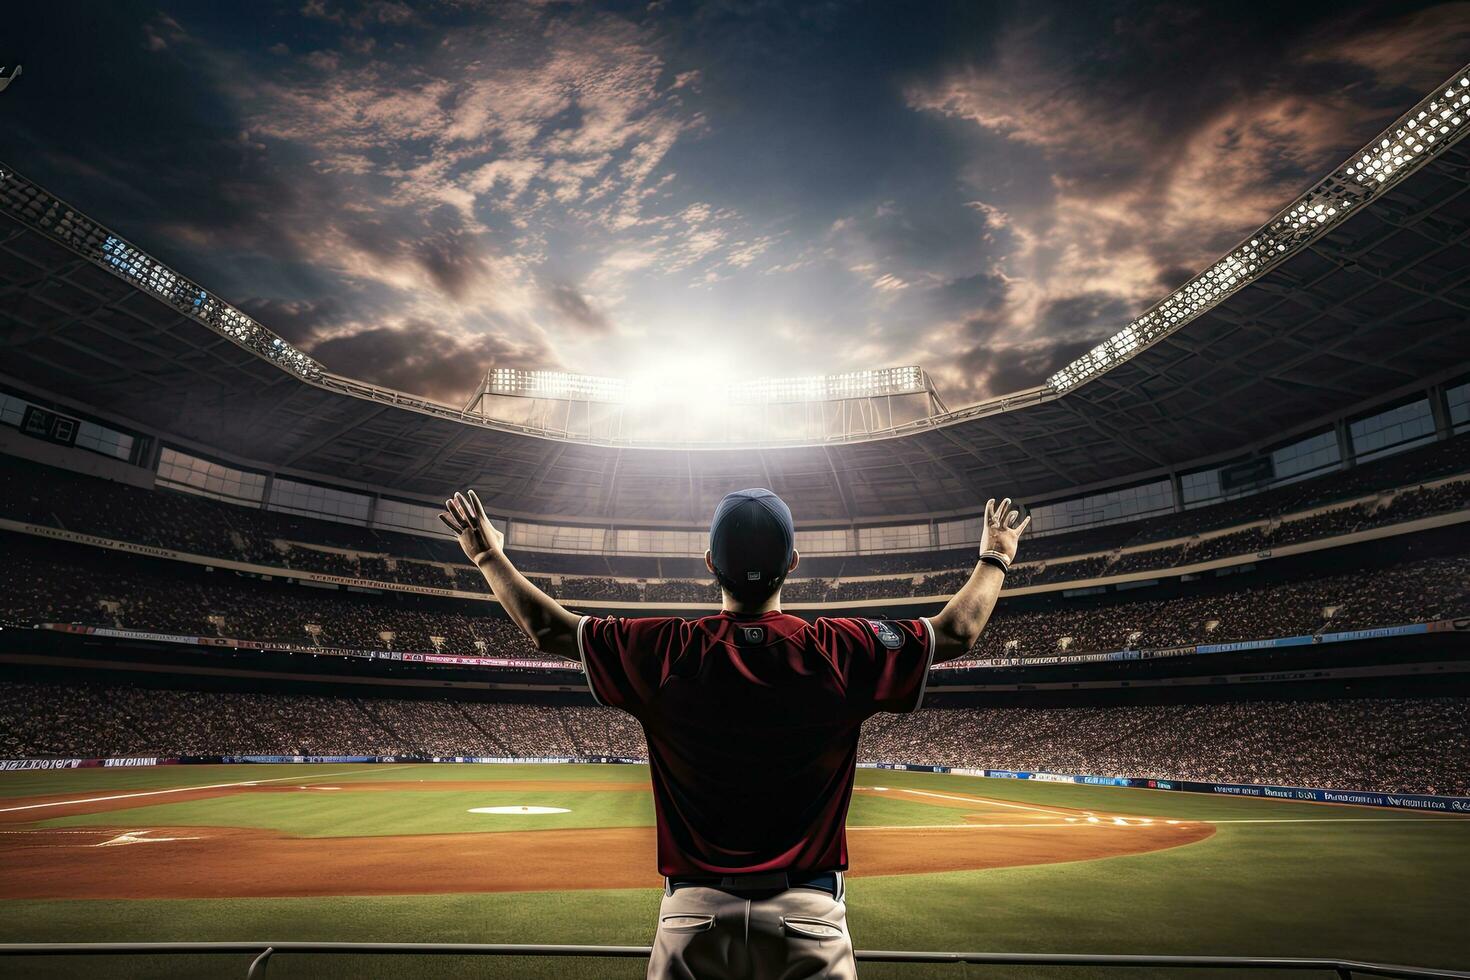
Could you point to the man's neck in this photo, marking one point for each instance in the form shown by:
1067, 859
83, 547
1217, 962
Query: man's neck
734, 605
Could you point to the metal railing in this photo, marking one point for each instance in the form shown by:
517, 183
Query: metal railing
261, 953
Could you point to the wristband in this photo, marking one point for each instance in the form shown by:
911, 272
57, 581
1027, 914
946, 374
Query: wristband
996, 559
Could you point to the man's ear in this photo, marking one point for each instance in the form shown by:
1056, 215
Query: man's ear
709, 561
795, 559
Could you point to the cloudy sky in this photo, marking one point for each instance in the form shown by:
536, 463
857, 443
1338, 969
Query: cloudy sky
416, 192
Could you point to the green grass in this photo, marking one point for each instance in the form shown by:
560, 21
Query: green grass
82, 781
1344, 881
430, 810
321, 814
45, 781
891, 811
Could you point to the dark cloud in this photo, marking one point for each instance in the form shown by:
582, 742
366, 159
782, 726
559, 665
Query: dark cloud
424, 357
570, 303
922, 235
452, 260
1172, 277
1089, 314
301, 322
1003, 369
983, 292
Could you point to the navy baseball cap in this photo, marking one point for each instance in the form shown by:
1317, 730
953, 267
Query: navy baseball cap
751, 540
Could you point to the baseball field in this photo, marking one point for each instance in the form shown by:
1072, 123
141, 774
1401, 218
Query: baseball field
565, 854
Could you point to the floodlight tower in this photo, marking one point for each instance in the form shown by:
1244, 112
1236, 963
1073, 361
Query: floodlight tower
834, 407
814, 408
574, 406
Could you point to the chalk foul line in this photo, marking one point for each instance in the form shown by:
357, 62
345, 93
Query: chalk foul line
187, 789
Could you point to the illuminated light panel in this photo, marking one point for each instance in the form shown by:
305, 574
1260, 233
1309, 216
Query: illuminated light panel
872, 383
1437, 121
45, 214
557, 385
812, 388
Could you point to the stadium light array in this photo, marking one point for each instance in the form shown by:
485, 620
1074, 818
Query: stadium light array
830, 387
43, 213
556, 385
562, 386
1437, 121
565, 387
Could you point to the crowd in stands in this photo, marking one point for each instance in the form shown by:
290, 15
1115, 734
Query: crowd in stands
129, 594
598, 588
42, 588
1043, 559
1412, 591
684, 591
38, 494
1383, 744
112, 721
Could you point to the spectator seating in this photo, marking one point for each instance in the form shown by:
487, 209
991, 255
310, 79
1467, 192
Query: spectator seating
1380, 744
48, 584
38, 494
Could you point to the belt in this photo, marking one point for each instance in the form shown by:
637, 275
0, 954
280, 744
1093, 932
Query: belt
778, 881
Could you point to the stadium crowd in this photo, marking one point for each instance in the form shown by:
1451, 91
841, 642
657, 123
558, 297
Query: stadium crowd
1383, 744
1414, 591
126, 593
45, 588
38, 494
102, 721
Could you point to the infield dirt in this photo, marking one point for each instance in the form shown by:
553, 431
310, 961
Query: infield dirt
128, 861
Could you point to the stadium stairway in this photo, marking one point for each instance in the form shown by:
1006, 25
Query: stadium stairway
500, 747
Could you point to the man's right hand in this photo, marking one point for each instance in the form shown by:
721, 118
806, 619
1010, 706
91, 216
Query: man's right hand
1002, 533
540, 617
466, 518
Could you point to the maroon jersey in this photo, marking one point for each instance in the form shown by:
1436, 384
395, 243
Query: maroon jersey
752, 726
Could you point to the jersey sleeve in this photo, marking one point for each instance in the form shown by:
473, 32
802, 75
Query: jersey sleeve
625, 659
884, 663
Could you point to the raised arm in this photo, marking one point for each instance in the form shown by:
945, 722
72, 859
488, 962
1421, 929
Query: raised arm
959, 624
542, 618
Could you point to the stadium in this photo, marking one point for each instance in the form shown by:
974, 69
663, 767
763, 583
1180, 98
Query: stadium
253, 695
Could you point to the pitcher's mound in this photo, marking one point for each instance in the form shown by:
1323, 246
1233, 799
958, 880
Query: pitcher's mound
519, 809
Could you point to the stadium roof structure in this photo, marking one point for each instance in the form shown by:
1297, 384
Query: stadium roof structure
1356, 293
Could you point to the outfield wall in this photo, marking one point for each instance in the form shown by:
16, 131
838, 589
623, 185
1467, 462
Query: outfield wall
1397, 801
1400, 801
